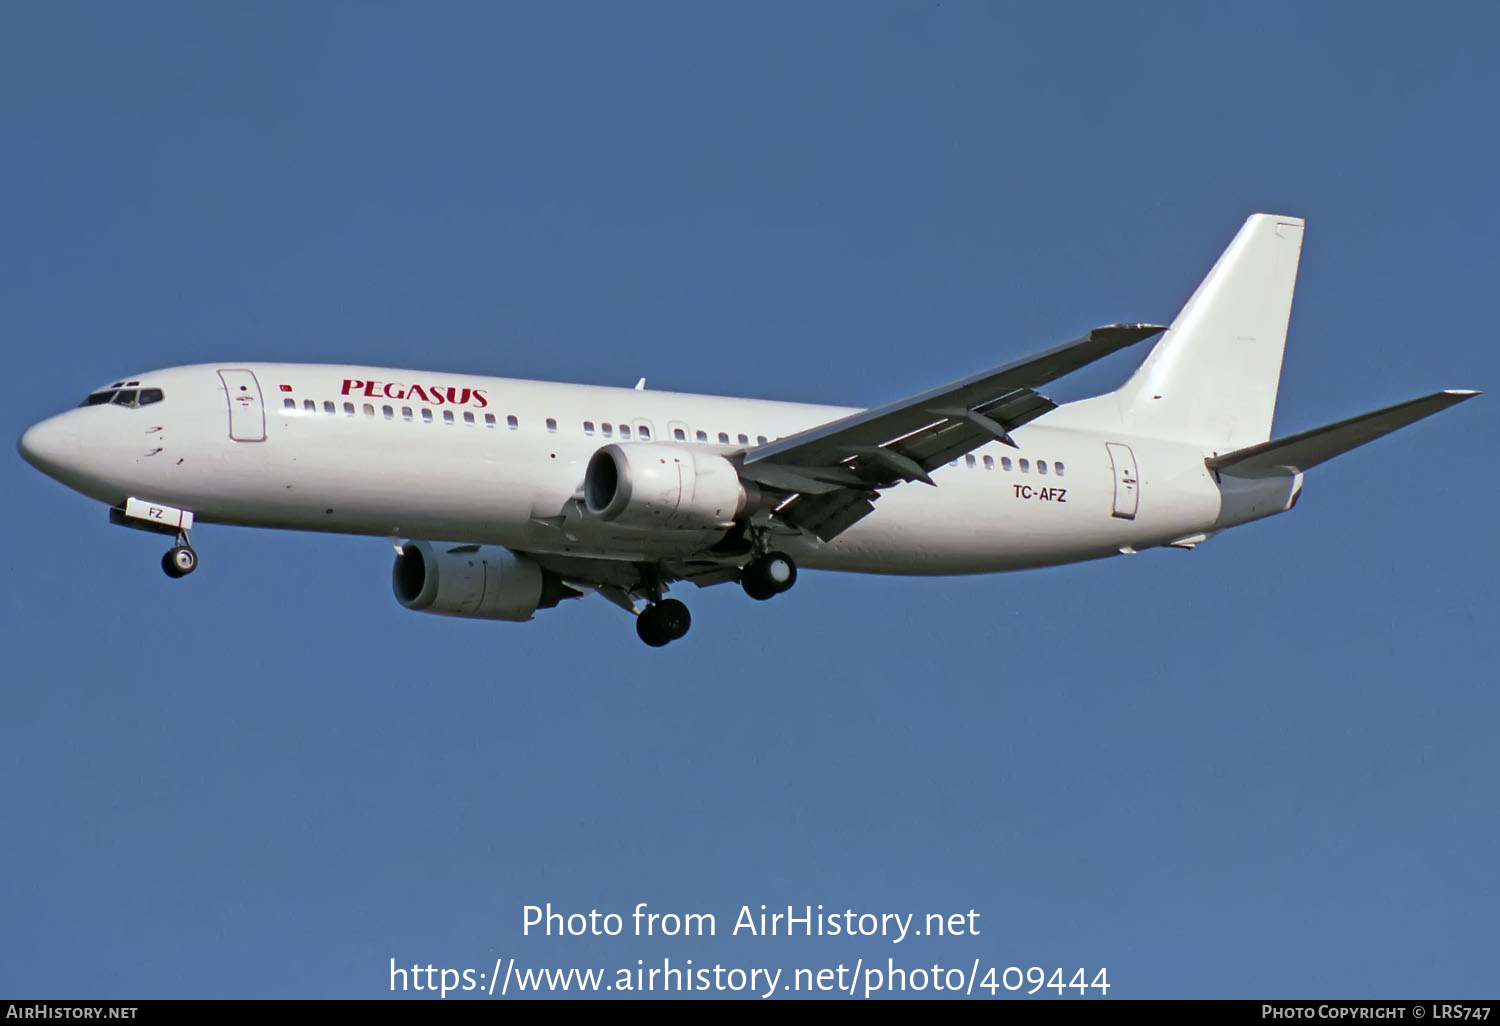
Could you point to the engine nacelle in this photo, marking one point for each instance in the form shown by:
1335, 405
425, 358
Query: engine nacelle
656, 484
484, 582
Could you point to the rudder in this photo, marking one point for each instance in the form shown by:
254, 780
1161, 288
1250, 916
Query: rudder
1212, 378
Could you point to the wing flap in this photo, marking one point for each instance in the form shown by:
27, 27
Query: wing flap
827, 516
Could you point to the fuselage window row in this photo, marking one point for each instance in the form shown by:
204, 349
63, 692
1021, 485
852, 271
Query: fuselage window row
330, 408
154, 395
1007, 464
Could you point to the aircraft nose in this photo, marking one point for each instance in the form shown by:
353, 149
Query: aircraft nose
48, 445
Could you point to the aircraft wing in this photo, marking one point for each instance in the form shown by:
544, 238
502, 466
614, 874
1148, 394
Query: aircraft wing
836, 470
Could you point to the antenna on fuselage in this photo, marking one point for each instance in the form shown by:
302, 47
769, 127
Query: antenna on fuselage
640, 386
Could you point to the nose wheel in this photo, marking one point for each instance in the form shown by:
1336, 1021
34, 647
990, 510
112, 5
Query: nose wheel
663, 622
181, 559
768, 575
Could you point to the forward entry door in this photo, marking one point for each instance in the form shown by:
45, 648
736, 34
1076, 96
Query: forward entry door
1127, 481
247, 411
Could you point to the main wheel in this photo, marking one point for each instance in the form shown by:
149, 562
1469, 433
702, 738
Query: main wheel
674, 618
663, 622
769, 575
179, 561
648, 626
779, 570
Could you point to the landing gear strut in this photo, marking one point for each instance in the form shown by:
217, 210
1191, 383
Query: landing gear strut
181, 559
768, 575
663, 621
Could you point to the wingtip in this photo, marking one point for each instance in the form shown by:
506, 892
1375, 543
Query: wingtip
1462, 393
1136, 332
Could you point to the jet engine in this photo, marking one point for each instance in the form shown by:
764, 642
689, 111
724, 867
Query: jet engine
484, 582
655, 484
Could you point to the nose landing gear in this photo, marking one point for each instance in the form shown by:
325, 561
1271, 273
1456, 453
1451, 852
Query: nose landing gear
181, 559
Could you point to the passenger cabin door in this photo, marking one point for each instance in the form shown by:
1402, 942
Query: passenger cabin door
1127, 481
247, 410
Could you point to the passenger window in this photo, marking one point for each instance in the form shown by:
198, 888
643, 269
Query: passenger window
624, 430
406, 413
760, 439
744, 439
369, 410
125, 398
1025, 466
679, 434
390, 414
723, 437
511, 422
1057, 468
151, 395
970, 460
328, 407
607, 430
289, 404
468, 417
588, 427
989, 463
489, 420
702, 436
1004, 462
643, 432
348, 409
552, 425
447, 416
309, 406
426, 415
1041, 466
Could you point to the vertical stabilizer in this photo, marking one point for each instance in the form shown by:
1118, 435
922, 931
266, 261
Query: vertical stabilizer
1212, 378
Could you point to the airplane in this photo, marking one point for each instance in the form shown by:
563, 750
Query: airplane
517, 495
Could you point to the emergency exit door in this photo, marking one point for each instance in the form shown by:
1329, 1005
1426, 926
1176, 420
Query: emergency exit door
247, 411
1127, 480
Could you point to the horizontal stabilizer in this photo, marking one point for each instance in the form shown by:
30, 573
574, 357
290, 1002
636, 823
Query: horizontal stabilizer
1296, 453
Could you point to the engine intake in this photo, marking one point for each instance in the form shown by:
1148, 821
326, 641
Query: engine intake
655, 484
483, 582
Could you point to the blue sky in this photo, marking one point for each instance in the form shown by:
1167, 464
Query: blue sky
1263, 768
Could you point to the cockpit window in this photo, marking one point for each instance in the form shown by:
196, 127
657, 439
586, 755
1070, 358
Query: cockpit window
129, 397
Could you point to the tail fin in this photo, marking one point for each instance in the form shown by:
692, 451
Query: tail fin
1212, 378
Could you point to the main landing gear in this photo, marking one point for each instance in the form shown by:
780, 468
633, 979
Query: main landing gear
768, 575
663, 621
181, 559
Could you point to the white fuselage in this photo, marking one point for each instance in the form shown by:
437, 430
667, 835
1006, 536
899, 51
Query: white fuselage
375, 451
